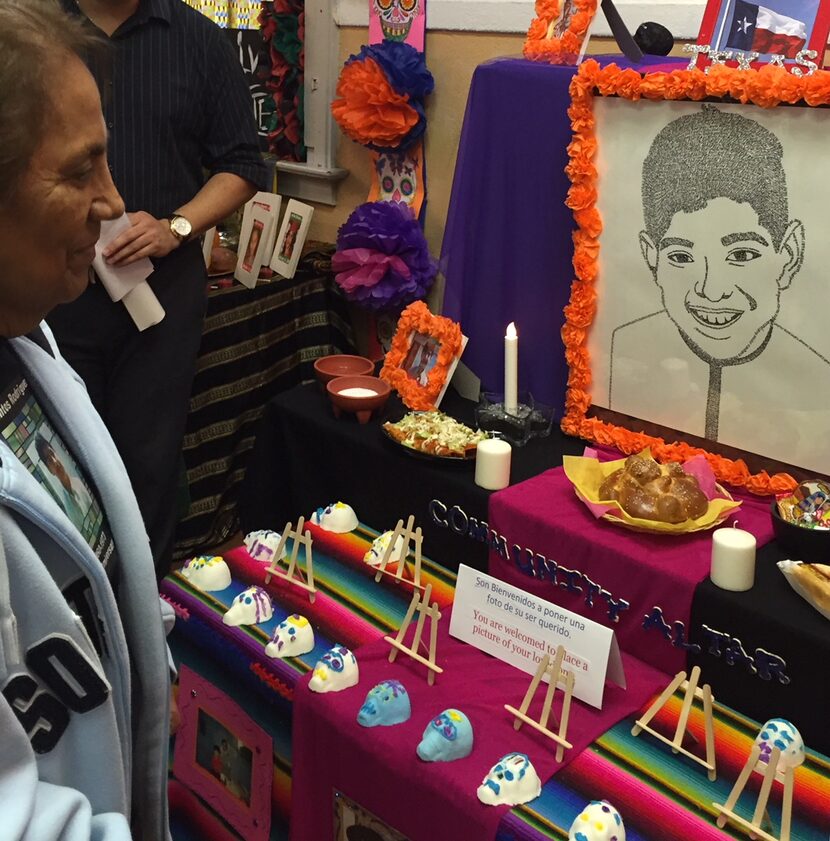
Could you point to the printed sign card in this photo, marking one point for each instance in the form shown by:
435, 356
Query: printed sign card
291, 238
252, 253
520, 629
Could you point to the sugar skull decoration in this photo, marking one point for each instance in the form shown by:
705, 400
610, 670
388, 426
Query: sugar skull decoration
336, 516
250, 607
379, 545
512, 780
447, 737
262, 545
598, 821
779, 733
335, 671
397, 177
207, 573
293, 636
396, 17
386, 704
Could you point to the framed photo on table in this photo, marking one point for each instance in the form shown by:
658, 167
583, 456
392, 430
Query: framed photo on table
354, 823
223, 756
253, 244
559, 33
291, 238
423, 356
699, 259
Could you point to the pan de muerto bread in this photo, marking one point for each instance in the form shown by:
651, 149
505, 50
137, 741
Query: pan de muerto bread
652, 491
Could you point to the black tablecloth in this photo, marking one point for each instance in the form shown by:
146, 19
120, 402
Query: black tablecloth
304, 458
256, 343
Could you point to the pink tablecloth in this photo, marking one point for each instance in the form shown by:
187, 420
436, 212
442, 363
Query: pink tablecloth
580, 556
431, 801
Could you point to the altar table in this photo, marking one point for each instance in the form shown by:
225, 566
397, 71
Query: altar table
255, 344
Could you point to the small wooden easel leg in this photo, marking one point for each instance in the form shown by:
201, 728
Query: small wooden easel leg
652, 711
566, 714
737, 789
787, 805
531, 691
709, 726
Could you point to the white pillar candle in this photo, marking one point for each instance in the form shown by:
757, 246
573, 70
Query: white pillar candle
493, 464
511, 369
733, 559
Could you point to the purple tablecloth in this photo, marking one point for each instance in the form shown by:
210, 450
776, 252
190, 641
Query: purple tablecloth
587, 555
507, 247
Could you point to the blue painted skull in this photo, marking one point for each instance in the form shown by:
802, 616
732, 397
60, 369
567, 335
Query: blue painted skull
447, 737
386, 704
512, 780
335, 670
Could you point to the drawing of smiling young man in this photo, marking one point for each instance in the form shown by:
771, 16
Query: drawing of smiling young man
721, 248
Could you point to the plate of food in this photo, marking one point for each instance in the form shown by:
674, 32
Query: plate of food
435, 436
642, 495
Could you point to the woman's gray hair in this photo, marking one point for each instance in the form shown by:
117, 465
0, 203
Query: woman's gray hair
36, 36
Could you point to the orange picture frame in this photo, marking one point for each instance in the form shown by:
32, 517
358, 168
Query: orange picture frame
559, 30
422, 356
768, 87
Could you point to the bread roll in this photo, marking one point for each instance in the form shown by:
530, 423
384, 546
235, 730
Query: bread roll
815, 580
664, 493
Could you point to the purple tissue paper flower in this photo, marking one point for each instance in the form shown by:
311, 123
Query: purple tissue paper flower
382, 259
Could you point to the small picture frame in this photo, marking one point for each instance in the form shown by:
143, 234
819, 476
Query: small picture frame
422, 358
291, 238
252, 247
559, 33
270, 203
776, 28
354, 823
207, 245
224, 757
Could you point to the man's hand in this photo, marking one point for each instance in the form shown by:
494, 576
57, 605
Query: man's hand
148, 237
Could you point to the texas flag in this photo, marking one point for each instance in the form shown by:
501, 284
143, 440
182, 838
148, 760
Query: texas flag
761, 30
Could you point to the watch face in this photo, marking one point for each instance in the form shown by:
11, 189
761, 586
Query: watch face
180, 226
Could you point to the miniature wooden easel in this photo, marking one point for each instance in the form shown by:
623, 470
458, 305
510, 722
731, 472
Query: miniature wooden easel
770, 772
421, 604
303, 582
692, 691
556, 674
409, 536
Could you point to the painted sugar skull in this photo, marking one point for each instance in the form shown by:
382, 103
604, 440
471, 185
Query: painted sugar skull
250, 607
598, 821
779, 733
448, 736
292, 637
336, 670
262, 545
379, 545
396, 17
386, 704
207, 572
512, 780
397, 178
336, 516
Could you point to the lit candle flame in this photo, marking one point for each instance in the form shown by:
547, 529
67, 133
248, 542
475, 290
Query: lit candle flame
511, 331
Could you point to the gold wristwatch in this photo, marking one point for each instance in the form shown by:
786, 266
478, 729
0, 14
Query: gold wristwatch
180, 228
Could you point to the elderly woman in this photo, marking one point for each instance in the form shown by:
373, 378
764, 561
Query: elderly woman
83, 666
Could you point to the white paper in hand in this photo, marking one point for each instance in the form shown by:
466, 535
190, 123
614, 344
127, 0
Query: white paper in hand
118, 280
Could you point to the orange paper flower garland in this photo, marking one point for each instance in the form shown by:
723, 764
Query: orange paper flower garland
541, 46
766, 87
417, 318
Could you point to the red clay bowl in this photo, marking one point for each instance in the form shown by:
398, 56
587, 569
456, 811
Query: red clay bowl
341, 365
361, 395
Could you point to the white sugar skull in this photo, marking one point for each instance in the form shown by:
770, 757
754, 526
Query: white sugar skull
250, 607
598, 821
379, 545
397, 177
336, 516
207, 572
779, 733
512, 780
386, 704
262, 545
396, 17
292, 637
335, 671
447, 737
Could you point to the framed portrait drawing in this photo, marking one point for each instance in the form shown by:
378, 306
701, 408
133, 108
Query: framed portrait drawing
693, 323
222, 755
767, 28
423, 356
252, 245
354, 823
291, 238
